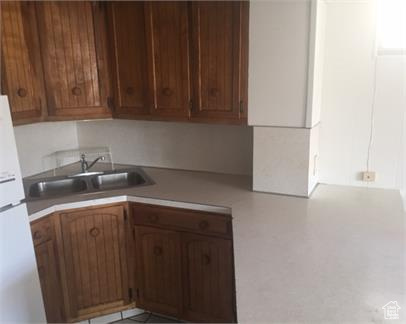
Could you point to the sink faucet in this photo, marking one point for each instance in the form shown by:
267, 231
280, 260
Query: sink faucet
85, 165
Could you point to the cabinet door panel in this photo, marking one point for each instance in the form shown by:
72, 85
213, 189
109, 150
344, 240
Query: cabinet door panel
74, 71
129, 65
168, 53
50, 282
22, 78
95, 254
159, 270
208, 279
217, 58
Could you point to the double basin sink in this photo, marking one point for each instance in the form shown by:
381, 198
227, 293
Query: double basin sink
85, 183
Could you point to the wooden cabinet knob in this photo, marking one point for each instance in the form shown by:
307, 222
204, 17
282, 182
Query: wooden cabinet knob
214, 92
206, 259
21, 92
129, 91
204, 225
153, 218
158, 250
76, 91
167, 91
37, 235
94, 232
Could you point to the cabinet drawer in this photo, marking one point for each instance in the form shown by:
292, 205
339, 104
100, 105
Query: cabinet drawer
41, 231
182, 219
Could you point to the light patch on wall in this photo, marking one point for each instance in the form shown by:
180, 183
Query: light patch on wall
391, 27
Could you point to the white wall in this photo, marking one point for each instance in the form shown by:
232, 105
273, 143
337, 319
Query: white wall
202, 147
316, 62
285, 82
278, 62
347, 100
36, 141
403, 187
314, 154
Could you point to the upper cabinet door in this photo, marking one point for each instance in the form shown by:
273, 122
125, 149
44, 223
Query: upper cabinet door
21, 74
168, 53
129, 62
73, 51
219, 41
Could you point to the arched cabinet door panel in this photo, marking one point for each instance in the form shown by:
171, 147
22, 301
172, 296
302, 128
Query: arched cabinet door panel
43, 235
94, 244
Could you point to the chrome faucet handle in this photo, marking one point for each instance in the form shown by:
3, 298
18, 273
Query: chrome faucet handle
88, 166
83, 163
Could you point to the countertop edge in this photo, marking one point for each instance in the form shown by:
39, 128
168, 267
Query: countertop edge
128, 198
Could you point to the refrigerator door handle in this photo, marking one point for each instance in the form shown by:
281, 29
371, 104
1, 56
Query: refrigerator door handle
9, 206
7, 180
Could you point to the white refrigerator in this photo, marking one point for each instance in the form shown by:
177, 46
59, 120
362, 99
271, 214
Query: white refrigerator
20, 291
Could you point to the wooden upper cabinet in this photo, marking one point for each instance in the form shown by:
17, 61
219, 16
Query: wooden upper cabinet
219, 54
129, 58
208, 279
21, 68
159, 270
73, 43
95, 259
159, 60
168, 53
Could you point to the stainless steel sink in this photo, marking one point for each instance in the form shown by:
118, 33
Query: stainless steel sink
118, 180
57, 187
85, 183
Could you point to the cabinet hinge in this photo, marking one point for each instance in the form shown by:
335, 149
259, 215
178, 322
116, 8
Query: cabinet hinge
241, 106
110, 103
130, 293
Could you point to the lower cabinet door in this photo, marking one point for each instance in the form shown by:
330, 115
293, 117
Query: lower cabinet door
95, 260
159, 270
208, 279
50, 283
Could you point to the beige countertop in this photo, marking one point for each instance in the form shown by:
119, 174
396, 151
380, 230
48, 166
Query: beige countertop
336, 257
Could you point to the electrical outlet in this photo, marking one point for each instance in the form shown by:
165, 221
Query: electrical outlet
368, 176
